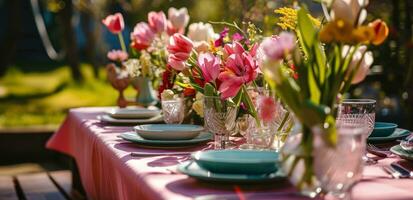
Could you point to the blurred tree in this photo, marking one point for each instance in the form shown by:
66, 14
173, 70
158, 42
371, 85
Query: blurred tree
9, 42
69, 39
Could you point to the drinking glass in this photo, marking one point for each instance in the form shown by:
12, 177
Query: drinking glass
356, 111
173, 111
219, 116
339, 167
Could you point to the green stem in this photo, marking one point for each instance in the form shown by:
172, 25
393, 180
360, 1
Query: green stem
283, 121
122, 42
250, 105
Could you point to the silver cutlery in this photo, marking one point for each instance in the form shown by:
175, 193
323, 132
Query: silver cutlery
392, 172
143, 154
247, 196
404, 173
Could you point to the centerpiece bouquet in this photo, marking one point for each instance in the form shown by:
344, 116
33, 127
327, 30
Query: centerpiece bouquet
326, 59
145, 60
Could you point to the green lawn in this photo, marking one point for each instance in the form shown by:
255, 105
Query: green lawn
28, 99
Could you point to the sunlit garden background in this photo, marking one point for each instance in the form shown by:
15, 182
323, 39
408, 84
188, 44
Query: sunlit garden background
46, 71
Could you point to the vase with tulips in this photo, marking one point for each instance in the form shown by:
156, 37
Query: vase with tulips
310, 65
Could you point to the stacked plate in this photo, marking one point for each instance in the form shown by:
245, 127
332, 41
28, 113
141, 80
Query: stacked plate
233, 166
387, 132
167, 135
131, 115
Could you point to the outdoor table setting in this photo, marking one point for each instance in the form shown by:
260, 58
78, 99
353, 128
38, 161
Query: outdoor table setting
247, 117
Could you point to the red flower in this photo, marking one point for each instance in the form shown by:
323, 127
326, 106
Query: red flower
189, 92
114, 23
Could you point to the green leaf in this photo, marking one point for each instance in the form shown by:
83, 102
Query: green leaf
331, 133
209, 90
308, 36
313, 114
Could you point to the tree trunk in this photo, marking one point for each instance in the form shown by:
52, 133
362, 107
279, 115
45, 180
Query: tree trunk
69, 40
90, 49
9, 43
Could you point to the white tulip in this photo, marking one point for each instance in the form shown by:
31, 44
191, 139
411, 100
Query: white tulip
349, 10
201, 32
178, 18
365, 64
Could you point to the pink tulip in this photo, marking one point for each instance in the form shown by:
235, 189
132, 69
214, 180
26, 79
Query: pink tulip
234, 48
267, 108
210, 66
179, 49
276, 48
117, 55
157, 21
142, 36
170, 29
239, 69
114, 23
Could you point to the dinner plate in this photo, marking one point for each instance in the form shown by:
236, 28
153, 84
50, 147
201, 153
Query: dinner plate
192, 169
397, 134
133, 137
398, 150
237, 161
108, 119
133, 113
168, 131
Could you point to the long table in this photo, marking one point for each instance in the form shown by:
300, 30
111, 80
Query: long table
108, 171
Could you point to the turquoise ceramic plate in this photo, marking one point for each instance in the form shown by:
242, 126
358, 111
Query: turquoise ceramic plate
133, 137
398, 150
192, 169
383, 129
237, 161
397, 134
168, 131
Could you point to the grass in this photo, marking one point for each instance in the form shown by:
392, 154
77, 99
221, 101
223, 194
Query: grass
28, 99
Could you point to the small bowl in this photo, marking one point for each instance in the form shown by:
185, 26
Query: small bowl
237, 161
383, 129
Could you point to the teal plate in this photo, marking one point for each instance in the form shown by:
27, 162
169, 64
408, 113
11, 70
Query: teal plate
398, 150
135, 138
192, 169
397, 134
237, 161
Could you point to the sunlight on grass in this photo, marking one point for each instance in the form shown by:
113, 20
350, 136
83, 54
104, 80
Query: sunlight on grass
34, 98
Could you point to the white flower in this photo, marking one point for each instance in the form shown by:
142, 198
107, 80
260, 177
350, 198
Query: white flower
198, 104
272, 70
365, 64
199, 32
133, 67
351, 11
178, 18
167, 95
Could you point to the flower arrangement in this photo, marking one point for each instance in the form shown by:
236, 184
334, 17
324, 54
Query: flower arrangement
326, 58
146, 58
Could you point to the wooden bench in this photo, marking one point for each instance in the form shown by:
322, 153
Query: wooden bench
56, 185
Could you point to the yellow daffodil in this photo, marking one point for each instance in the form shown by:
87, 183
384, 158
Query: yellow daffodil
381, 31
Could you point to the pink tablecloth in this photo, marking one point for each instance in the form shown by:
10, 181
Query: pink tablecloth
109, 172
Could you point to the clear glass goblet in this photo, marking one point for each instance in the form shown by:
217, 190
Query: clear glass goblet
359, 111
173, 111
219, 116
339, 167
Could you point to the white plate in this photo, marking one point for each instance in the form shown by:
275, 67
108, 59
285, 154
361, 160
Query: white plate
111, 120
133, 113
168, 131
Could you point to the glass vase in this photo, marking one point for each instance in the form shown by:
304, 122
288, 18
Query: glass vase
146, 94
339, 167
219, 116
297, 161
